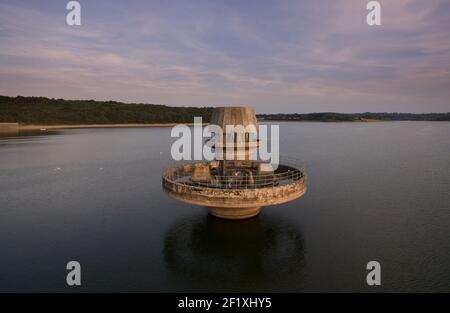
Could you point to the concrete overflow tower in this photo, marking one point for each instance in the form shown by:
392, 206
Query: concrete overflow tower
234, 186
235, 148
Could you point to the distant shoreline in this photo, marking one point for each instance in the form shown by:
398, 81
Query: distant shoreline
28, 127
38, 112
25, 127
32, 127
362, 120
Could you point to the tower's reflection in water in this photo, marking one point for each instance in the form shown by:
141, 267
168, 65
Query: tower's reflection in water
204, 253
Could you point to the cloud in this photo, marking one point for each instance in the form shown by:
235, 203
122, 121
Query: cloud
276, 55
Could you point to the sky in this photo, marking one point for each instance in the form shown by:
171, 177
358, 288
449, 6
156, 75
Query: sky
277, 56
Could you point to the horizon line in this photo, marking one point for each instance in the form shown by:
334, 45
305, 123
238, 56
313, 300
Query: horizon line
213, 106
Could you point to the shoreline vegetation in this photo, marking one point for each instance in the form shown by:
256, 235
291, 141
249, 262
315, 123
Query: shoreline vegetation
27, 127
39, 113
354, 117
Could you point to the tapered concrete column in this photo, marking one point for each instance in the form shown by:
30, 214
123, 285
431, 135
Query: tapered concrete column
234, 213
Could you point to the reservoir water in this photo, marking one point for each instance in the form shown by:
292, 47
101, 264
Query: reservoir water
377, 191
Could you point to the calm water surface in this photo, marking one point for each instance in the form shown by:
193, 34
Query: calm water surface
377, 191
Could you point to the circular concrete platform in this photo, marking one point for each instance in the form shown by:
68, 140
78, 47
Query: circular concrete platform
235, 200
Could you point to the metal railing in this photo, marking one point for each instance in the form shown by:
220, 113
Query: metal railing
289, 171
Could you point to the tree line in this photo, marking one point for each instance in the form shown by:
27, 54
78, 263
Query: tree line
354, 117
41, 110
50, 111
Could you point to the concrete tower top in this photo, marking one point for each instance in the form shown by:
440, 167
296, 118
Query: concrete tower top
224, 116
